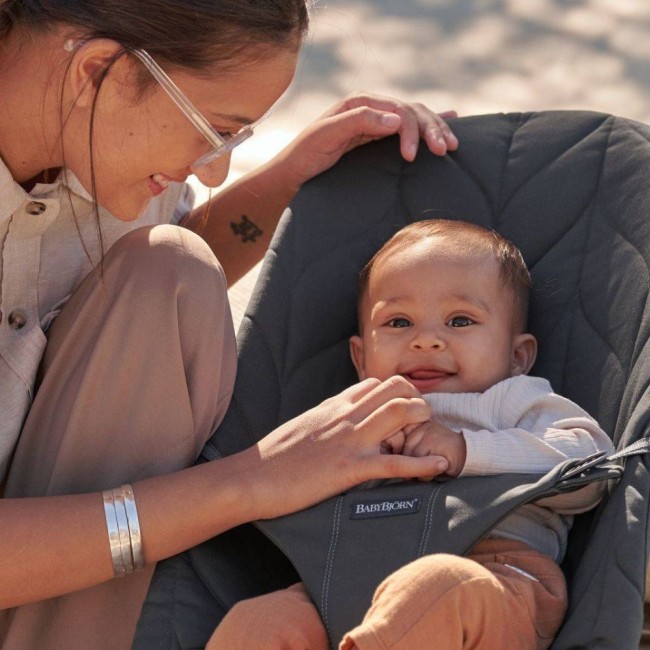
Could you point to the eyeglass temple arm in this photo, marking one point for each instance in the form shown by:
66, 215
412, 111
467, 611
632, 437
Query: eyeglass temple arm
179, 98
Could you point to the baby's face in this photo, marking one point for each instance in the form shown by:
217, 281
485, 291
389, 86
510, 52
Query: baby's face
440, 318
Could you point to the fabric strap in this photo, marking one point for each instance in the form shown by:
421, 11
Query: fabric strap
344, 547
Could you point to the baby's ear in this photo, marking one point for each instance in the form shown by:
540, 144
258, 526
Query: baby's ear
356, 352
524, 353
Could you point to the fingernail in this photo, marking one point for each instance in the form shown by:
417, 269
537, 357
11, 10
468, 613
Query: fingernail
411, 151
391, 120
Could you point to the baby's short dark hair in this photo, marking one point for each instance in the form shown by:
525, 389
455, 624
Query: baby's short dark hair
472, 238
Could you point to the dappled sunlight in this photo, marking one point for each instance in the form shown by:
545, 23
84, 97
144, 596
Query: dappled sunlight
474, 56
486, 56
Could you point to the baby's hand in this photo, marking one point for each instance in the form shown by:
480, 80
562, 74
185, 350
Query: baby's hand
394, 444
433, 439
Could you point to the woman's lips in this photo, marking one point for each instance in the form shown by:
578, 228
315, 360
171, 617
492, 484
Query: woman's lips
158, 183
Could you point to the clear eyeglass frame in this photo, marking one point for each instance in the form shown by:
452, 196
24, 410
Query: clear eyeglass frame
220, 144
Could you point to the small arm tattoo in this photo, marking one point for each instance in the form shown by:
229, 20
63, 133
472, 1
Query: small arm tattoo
246, 229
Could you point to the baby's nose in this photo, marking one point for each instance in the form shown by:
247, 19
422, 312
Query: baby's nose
428, 339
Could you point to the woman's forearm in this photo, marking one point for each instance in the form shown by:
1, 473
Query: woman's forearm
240, 220
54, 545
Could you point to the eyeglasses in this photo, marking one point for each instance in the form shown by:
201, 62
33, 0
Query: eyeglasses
221, 144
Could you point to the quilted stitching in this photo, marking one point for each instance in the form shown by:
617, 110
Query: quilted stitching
317, 315
572, 190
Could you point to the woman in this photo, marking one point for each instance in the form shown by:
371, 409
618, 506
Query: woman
107, 106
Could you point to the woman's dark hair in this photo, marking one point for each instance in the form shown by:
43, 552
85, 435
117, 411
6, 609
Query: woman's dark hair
197, 35
194, 34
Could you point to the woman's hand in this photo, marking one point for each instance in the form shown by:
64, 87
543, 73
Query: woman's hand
263, 194
335, 446
359, 119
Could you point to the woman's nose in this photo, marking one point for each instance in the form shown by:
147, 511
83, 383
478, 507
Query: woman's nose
214, 173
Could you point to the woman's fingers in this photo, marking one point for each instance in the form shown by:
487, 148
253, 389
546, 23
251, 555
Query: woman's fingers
416, 122
397, 466
436, 132
390, 418
357, 120
420, 123
333, 447
386, 406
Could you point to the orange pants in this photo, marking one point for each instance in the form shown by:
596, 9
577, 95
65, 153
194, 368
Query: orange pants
482, 601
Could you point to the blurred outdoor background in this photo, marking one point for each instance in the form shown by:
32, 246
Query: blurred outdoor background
474, 56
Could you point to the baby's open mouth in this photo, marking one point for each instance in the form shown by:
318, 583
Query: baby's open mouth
425, 374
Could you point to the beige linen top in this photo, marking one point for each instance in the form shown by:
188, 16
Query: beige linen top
49, 241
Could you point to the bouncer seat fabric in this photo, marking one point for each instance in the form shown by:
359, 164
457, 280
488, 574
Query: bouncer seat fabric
572, 190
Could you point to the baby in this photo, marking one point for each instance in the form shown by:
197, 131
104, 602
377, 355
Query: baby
444, 304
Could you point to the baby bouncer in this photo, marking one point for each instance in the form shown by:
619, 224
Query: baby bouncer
572, 190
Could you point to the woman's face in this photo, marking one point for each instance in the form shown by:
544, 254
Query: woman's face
143, 141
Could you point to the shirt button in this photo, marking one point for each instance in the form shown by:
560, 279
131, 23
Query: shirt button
35, 208
17, 319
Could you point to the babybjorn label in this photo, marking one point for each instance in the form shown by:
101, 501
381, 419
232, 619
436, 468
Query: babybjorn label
384, 508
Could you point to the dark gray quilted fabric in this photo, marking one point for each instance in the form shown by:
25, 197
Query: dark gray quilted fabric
571, 189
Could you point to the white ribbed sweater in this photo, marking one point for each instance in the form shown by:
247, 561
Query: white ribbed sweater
521, 426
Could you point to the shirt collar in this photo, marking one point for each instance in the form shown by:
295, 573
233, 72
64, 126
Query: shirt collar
65, 178
14, 196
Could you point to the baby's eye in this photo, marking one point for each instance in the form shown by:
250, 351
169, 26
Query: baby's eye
399, 322
460, 321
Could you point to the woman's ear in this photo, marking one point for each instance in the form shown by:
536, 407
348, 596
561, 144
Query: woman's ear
524, 353
89, 63
356, 352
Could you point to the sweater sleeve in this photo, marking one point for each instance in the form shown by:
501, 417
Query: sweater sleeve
542, 429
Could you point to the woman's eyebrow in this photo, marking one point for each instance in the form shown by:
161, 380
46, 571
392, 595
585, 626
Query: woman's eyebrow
240, 119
